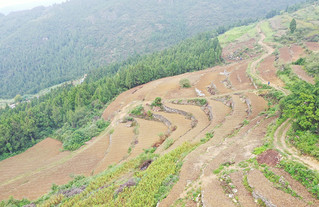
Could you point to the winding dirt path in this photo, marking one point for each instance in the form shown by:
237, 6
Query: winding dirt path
254, 64
280, 143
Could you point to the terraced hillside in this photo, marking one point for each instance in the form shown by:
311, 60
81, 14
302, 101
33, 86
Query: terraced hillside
219, 142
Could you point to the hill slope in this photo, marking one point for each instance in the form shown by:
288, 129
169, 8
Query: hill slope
48, 46
240, 134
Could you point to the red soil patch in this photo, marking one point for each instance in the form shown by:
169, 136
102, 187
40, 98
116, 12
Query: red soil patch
268, 71
297, 52
302, 74
313, 46
269, 157
291, 54
284, 54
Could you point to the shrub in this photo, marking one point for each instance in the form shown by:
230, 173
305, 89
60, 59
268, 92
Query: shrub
137, 111
157, 102
169, 142
185, 83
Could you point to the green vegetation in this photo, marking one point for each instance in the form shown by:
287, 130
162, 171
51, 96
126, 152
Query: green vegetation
293, 26
168, 142
238, 32
197, 101
149, 186
67, 112
310, 63
137, 111
259, 150
207, 137
38, 51
246, 184
157, 102
185, 83
278, 181
309, 178
303, 106
14, 203
267, 30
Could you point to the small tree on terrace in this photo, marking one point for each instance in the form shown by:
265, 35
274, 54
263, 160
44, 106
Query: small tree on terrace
293, 26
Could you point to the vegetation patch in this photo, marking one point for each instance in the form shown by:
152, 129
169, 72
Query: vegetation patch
307, 177
185, 83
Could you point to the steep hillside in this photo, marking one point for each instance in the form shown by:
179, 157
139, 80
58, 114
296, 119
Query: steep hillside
240, 134
47, 46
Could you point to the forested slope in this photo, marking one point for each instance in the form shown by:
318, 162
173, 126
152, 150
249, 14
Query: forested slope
76, 110
47, 46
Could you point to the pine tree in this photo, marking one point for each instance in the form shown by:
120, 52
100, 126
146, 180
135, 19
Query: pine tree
293, 26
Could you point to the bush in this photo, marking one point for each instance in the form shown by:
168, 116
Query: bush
185, 83
307, 177
157, 102
169, 142
137, 111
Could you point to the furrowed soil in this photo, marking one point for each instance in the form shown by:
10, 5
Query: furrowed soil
239, 124
302, 74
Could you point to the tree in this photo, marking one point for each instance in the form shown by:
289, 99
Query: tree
18, 98
293, 26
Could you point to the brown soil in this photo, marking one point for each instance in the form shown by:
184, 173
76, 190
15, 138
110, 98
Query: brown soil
40, 155
236, 51
297, 187
302, 74
258, 104
183, 126
297, 52
149, 132
215, 77
269, 157
120, 142
193, 163
244, 197
239, 78
232, 141
284, 55
263, 187
199, 114
313, 46
40, 180
268, 71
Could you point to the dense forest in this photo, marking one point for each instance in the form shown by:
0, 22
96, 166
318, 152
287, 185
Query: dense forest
72, 114
50, 45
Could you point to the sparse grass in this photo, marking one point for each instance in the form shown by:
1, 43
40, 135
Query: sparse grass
278, 181
259, 150
168, 142
246, 184
236, 33
301, 173
267, 30
208, 137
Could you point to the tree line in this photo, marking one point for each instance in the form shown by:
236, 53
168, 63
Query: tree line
64, 112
